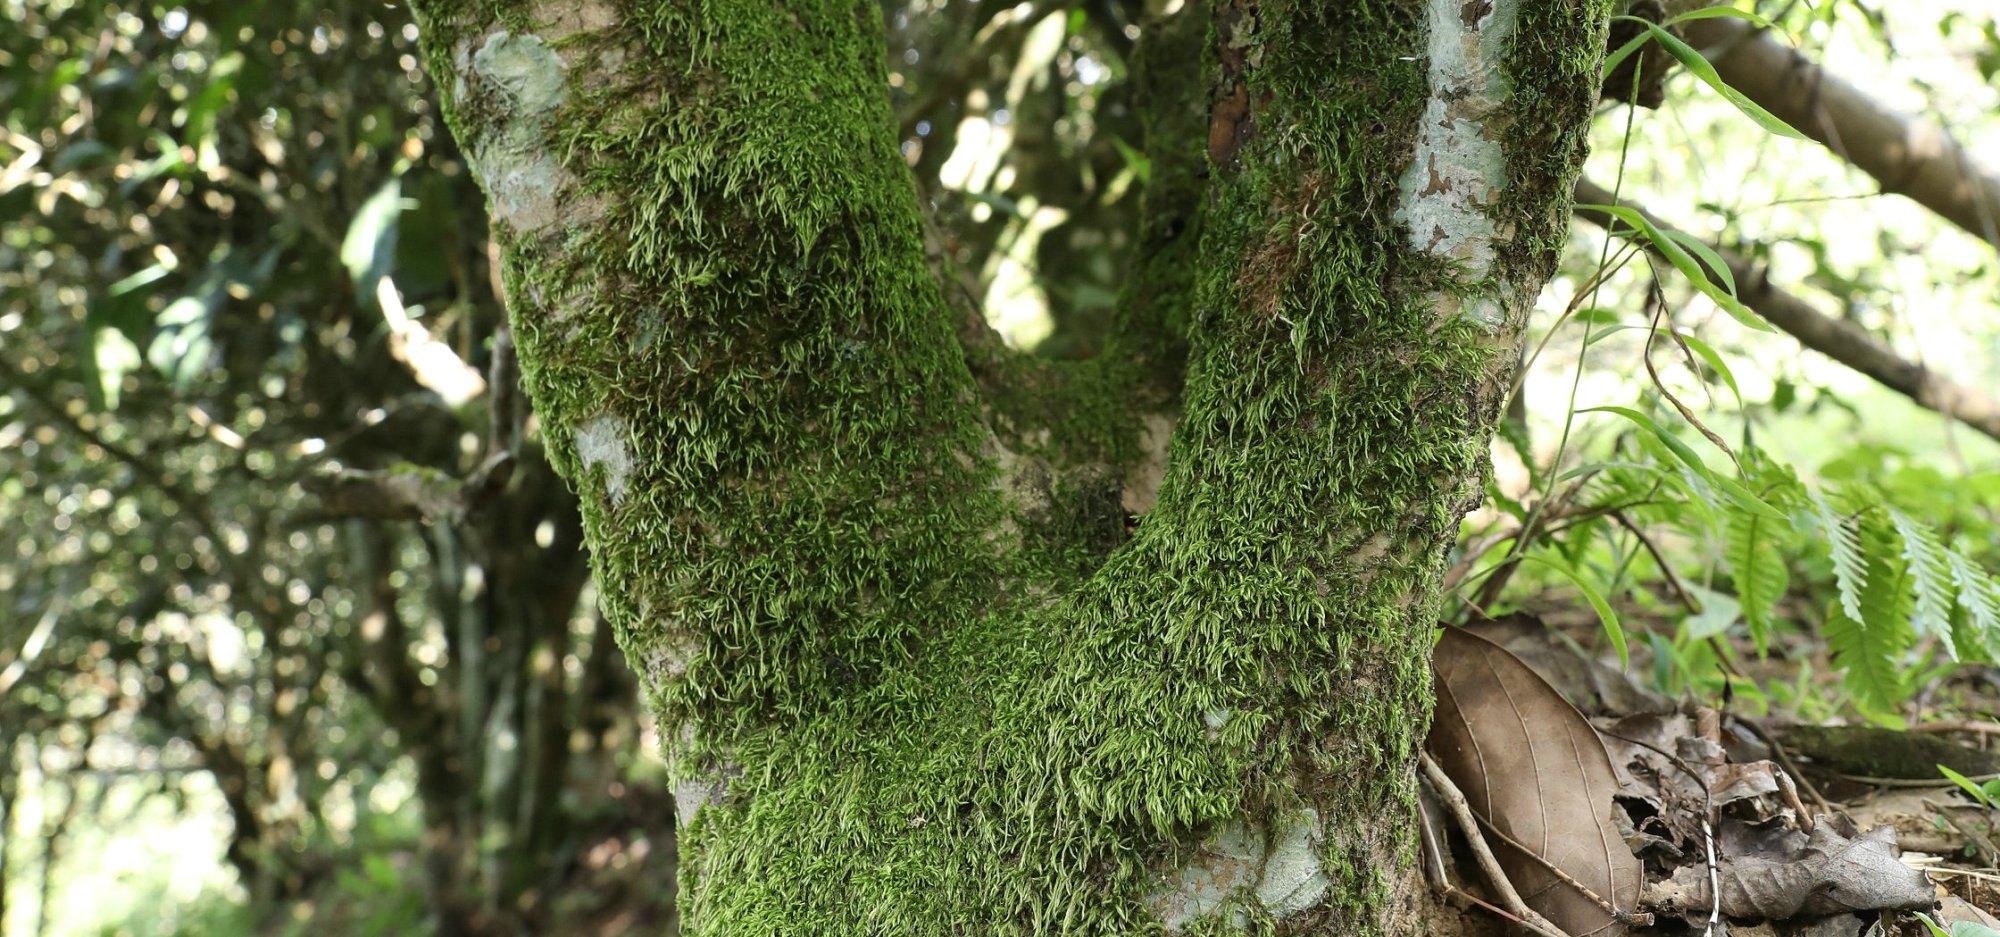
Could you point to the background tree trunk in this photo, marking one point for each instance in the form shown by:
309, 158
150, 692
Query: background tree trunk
911, 672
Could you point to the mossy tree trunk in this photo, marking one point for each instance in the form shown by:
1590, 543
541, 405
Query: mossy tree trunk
873, 569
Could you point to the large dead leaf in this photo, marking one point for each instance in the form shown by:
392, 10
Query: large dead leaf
1536, 773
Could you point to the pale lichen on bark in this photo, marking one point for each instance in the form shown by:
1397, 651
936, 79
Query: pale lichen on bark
602, 442
1452, 186
526, 80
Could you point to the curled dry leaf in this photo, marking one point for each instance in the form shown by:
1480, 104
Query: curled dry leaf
1828, 873
1536, 774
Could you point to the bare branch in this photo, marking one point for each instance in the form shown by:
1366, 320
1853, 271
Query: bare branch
1907, 155
1837, 339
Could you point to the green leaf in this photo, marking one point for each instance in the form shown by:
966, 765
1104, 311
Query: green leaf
1978, 793
1136, 161
112, 356
369, 249
1850, 569
1700, 68
1958, 928
1731, 488
1980, 597
1588, 467
1930, 575
202, 110
1708, 256
1751, 548
380, 871
1681, 450
1718, 612
1605, 616
1625, 51
1709, 13
1600, 334
1866, 647
1714, 361
182, 345
144, 277
1671, 249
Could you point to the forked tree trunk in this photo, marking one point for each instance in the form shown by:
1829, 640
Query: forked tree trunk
869, 564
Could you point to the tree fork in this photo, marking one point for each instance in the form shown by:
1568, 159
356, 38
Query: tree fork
907, 683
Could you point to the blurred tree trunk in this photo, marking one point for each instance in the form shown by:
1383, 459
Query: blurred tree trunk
873, 568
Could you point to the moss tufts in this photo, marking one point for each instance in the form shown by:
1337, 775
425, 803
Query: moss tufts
895, 630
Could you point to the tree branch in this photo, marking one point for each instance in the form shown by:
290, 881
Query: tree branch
1837, 339
1907, 155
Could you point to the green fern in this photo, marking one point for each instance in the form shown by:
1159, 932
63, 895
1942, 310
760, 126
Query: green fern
1868, 647
1850, 568
1930, 576
1750, 546
1979, 595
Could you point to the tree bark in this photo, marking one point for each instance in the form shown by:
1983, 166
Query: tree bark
911, 675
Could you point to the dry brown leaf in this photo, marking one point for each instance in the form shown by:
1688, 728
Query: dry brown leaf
1829, 873
1535, 771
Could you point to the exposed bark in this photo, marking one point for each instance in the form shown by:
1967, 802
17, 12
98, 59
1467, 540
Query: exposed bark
1838, 339
910, 679
1906, 154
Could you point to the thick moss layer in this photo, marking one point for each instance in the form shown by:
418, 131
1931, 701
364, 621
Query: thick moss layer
891, 650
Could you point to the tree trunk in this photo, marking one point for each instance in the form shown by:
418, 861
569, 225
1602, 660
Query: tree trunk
869, 564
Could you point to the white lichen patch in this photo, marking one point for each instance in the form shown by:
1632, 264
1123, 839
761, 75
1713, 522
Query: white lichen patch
1223, 864
1460, 169
602, 442
1142, 482
525, 82
692, 794
523, 68
1280, 872
1293, 880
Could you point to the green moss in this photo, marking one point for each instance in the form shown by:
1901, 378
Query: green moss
948, 704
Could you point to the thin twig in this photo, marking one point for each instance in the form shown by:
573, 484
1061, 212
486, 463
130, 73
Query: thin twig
1968, 873
1688, 601
1454, 800
1959, 725
1657, 300
1979, 840
1791, 767
1916, 782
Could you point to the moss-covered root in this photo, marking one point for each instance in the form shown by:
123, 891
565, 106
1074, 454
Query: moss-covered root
903, 698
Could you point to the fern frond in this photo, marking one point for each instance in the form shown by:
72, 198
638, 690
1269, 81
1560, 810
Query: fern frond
1850, 568
1930, 576
1868, 647
1750, 546
1980, 597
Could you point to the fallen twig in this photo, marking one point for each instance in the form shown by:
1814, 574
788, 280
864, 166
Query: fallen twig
1461, 812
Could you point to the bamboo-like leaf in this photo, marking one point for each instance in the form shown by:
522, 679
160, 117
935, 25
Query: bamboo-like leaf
1708, 256
1605, 616
1685, 263
1731, 489
1700, 68
1709, 13
1714, 361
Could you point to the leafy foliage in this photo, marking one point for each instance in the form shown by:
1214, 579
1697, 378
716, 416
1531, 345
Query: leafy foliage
1751, 548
